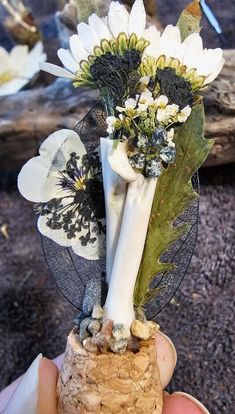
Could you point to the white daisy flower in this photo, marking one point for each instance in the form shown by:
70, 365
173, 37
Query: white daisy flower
189, 59
118, 32
18, 67
59, 180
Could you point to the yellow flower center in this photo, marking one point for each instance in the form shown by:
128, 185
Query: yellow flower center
6, 77
80, 183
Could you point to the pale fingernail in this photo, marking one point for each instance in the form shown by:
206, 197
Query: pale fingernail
194, 400
166, 358
25, 398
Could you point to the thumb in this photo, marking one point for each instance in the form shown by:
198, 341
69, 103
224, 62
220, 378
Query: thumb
47, 400
36, 392
25, 398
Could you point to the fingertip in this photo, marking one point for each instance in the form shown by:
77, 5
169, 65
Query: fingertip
166, 358
194, 400
47, 381
182, 403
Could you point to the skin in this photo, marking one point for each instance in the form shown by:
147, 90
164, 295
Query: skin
177, 403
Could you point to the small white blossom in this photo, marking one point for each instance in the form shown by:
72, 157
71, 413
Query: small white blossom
143, 83
145, 100
111, 122
172, 110
130, 107
129, 104
163, 116
161, 101
184, 114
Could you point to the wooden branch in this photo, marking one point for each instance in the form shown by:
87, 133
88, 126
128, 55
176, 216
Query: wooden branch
28, 117
220, 114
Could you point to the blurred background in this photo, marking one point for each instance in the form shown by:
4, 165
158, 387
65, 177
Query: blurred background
34, 317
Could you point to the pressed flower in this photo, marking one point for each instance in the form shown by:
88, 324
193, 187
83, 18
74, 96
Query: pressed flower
98, 42
62, 180
188, 59
18, 67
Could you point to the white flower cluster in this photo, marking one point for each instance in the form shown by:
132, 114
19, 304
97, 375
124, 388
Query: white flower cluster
165, 112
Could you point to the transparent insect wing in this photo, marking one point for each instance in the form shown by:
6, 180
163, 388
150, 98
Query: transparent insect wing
180, 254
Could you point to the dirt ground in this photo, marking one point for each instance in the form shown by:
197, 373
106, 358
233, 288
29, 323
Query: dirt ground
34, 317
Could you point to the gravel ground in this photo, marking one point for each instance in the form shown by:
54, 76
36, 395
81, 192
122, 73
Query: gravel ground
34, 317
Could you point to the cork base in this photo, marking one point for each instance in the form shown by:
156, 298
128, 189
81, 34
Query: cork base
109, 383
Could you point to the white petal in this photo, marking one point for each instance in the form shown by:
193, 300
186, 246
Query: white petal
118, 19
153, 36
137, 21
170, 41
56, 70
34, 183
211, 59
77, 49
13, 86
119, 162
38, 178
87, 36
5, 60
58, 236
18, 56
130, 103
193, 40
37, 52
34, 57
100, 28
92, 251
58, 147
191, 51
215, 72
67, 60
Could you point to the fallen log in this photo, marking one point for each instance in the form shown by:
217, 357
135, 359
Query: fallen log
27, 117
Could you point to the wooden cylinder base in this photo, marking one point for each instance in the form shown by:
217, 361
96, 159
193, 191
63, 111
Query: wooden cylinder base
109, 383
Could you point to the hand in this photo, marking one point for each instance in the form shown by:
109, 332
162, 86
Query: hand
41, 394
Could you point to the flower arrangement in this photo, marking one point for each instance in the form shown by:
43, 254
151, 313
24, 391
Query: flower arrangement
133, 189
